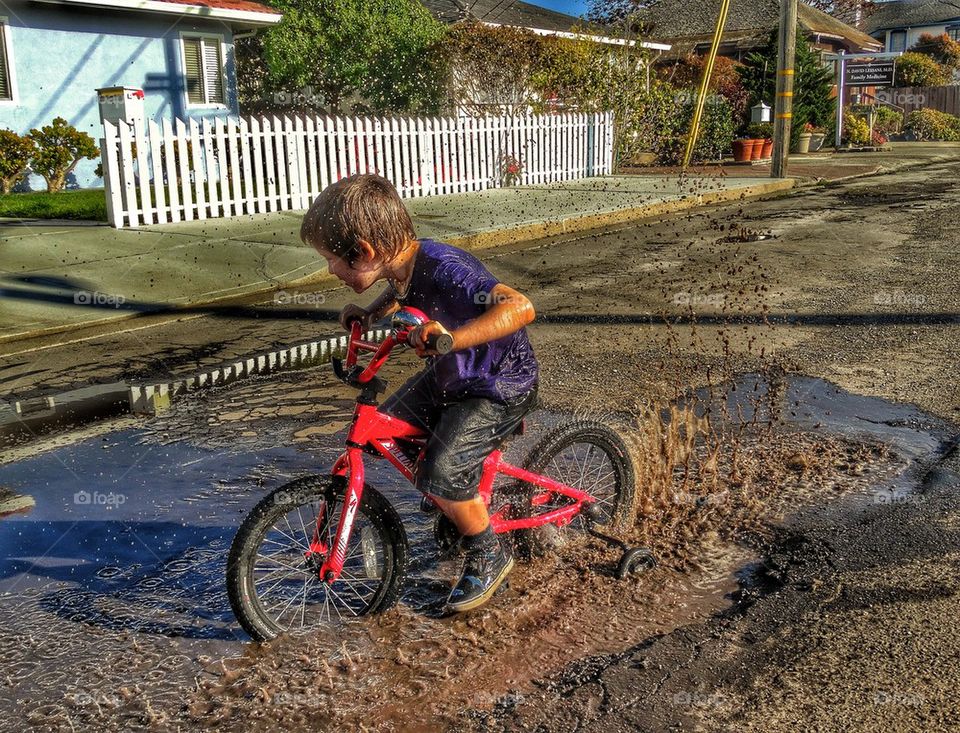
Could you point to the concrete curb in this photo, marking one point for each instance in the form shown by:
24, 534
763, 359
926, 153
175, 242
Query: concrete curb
42, 415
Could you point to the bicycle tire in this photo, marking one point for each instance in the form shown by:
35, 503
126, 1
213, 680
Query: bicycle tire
374, 512
615, 494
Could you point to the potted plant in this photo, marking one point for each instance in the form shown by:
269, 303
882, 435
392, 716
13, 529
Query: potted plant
742, 150
803, 144
817, 137
762, 134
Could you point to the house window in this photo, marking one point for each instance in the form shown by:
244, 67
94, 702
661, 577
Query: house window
954, 32
203, 69
898, 40
6, 81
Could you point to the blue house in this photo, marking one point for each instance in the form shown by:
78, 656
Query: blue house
55, 54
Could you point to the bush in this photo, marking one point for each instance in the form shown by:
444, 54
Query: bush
60, 146
725, 80
887, 120
930, 124
759, 131
918, 70
941, 49
662, 121
15, 154
856, 130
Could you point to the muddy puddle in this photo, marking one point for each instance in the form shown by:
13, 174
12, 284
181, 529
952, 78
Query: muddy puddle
112, 559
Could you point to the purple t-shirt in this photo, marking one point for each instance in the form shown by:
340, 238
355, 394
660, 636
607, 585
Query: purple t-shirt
452, 286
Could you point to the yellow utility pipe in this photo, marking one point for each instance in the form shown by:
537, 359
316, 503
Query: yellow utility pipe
705, 82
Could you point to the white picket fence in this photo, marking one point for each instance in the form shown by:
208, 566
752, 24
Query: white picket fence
227, 166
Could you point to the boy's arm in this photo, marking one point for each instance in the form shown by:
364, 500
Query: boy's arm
508, 311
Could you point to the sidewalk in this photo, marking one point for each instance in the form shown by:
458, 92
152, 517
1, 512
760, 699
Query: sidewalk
58, 276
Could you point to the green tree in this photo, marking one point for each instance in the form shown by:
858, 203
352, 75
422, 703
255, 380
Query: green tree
919, 70
60, 146
15, 153
492, 69
373, 55
941, 49
812, 86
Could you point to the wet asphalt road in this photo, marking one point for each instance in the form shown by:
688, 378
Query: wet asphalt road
864, 274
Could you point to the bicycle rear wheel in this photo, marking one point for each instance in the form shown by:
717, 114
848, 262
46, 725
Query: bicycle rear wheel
272, 574
585, 455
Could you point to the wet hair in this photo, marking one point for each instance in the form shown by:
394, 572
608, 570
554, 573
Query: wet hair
364, 206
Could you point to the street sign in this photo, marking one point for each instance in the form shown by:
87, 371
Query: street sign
870, 74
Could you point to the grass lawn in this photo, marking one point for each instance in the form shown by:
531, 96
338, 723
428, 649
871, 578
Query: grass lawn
87, 203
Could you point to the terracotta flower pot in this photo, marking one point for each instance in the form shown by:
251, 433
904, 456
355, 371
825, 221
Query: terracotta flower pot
742, 150
767, 150
757, 149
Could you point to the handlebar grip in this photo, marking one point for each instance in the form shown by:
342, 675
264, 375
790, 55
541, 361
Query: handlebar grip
442, 343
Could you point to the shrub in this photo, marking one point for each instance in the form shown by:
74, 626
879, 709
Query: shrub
941, 49
887, 120
931, 124
60, 146
725, 80
760, 131
918, 70
15, 153
856, 130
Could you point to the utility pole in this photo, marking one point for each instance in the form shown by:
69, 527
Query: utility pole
783, 110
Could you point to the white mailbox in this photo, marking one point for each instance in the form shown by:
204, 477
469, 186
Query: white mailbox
120, 103
760, 113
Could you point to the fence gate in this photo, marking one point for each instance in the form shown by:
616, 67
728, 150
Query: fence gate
219, 167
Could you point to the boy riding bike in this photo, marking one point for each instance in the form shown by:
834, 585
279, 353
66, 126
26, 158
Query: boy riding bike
469, 399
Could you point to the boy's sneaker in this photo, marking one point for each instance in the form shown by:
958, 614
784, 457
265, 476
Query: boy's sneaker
483, 571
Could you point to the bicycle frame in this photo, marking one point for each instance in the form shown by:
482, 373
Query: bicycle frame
378, 433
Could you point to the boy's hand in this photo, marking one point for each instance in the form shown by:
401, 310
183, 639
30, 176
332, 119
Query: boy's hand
419, 336
354, 312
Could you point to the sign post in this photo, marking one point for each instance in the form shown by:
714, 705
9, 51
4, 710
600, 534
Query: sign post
874, 73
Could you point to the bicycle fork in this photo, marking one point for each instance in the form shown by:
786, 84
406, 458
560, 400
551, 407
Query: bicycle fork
350, 465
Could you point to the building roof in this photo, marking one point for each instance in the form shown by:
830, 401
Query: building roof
243, 12
502, 12
911, 14
749, 23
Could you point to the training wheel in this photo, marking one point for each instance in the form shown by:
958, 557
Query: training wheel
635, 559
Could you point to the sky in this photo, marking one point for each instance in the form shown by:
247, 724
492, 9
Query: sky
571, 7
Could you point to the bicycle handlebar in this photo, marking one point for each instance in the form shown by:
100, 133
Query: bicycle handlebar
442, 343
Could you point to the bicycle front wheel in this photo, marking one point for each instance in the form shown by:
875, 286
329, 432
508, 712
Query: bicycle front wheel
272, 572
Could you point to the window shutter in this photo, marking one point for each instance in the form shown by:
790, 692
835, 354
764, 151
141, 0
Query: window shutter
213, 70
5, 91
193, 70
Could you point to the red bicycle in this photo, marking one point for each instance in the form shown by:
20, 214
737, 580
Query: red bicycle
321, 549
